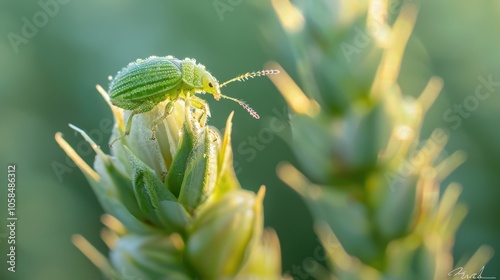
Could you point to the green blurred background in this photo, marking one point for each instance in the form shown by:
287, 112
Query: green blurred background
49, 81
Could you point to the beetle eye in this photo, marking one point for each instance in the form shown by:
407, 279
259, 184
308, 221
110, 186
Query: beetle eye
210, 85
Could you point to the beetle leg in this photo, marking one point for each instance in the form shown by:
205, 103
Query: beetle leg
127, 129
201, 104
168, 110
129, 123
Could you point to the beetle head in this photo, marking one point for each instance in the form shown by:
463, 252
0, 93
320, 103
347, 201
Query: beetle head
211, 86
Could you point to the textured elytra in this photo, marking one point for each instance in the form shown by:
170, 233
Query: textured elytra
146, 78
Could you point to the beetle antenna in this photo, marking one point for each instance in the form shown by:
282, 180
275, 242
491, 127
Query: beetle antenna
248, 75
244, 105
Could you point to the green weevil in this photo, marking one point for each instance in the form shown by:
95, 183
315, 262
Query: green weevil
145, 83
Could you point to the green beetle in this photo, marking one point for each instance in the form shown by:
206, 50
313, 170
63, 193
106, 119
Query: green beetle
143, 84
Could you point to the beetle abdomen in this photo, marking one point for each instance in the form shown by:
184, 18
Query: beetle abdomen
146, 78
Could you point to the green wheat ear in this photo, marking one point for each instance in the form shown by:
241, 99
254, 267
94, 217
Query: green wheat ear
355, 134
174, 207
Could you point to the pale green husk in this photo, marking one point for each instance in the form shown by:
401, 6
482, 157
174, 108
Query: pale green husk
175, 209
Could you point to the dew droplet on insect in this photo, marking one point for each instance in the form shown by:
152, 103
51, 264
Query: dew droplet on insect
110, 78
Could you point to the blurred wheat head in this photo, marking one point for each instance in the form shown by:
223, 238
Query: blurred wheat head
371, 184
